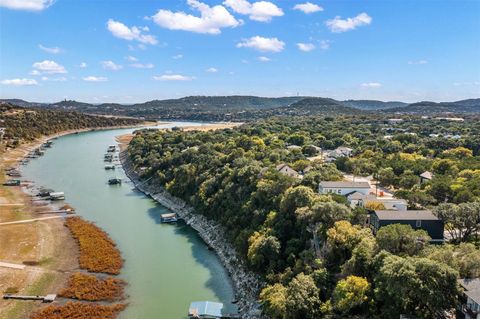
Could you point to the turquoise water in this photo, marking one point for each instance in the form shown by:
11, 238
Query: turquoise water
167, 266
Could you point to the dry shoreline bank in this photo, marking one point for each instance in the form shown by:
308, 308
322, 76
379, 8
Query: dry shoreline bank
47, 243
247, 285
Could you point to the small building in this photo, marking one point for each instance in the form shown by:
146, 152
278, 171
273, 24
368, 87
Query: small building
344, 188
425, 177
169, 218
389, 203
287, 170
418, 219
332, 155
395, 121
470, 300
205, 310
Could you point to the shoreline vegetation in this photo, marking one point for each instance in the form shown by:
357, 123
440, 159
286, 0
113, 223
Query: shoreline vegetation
49, 248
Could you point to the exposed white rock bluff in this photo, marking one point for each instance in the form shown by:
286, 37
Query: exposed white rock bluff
247, 284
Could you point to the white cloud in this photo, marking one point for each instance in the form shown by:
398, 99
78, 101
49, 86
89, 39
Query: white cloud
262, 44
60, 79
418, 62
173, 77
262, 11
142, 65
19, 82
31, 5
371, 85
178, 56
92, 78
306, 47
308, 7
122, 31
338, 25
48, 67
83, 65
53, 50
325, 44
131, 58
211, 19
263, 59
110, 65
212, 70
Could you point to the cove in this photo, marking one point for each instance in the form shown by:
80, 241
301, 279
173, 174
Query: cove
166, 266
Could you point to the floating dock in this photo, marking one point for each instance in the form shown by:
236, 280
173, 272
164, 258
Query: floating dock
47, 298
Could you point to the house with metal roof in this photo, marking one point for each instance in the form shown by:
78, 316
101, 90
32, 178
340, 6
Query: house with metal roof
287, 170
426, 176
343, 188
205, 310
418, 219
470, 306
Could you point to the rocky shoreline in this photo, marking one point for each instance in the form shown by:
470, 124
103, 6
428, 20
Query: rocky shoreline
247, 285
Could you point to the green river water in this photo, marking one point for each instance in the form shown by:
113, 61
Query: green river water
166, 266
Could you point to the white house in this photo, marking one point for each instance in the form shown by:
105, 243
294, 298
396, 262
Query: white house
344, 188
471, 306
389, 203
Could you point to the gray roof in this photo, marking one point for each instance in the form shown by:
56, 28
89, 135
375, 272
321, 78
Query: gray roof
406, 215
472, 288
342, 184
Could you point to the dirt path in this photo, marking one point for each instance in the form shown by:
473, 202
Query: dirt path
30, 220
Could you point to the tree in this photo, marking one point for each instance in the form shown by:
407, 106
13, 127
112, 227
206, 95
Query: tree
263, 250
386, 176
461, 221
402, 239
350, 293
303, 298
417, 286
465, 258
274, 299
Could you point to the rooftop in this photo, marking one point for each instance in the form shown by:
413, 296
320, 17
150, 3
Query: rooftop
406, 215
342, 184
205, 308
472, 288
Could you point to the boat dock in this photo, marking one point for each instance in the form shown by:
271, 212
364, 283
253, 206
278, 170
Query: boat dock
47, 298
169, 218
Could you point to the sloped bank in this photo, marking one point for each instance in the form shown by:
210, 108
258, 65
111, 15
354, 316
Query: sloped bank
247, 285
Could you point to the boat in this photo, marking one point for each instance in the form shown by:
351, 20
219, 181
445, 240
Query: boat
57, 196
111, 148
114, 181
169, 218
12, 182
109, 167
44, 192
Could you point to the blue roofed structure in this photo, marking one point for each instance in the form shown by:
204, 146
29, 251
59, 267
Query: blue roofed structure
205, 310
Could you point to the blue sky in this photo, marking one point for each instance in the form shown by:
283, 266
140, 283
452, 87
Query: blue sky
132, 51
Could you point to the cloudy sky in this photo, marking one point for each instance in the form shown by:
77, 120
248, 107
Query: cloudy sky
136, 50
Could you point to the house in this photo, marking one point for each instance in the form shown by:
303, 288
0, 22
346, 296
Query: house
418, 219
425, 177
205, 310
470, 306
287, 170
332, 155
395, 121
389, 203
344, 188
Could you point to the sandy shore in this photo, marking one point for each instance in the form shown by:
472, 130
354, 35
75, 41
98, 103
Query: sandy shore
46, 246
247, 285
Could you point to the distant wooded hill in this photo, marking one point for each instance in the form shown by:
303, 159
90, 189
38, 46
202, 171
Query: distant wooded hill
244, 108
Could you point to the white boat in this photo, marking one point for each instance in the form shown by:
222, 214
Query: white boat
57, 196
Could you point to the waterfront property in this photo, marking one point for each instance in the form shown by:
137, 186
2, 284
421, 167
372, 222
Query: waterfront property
344, 188
418, 219
470, 299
